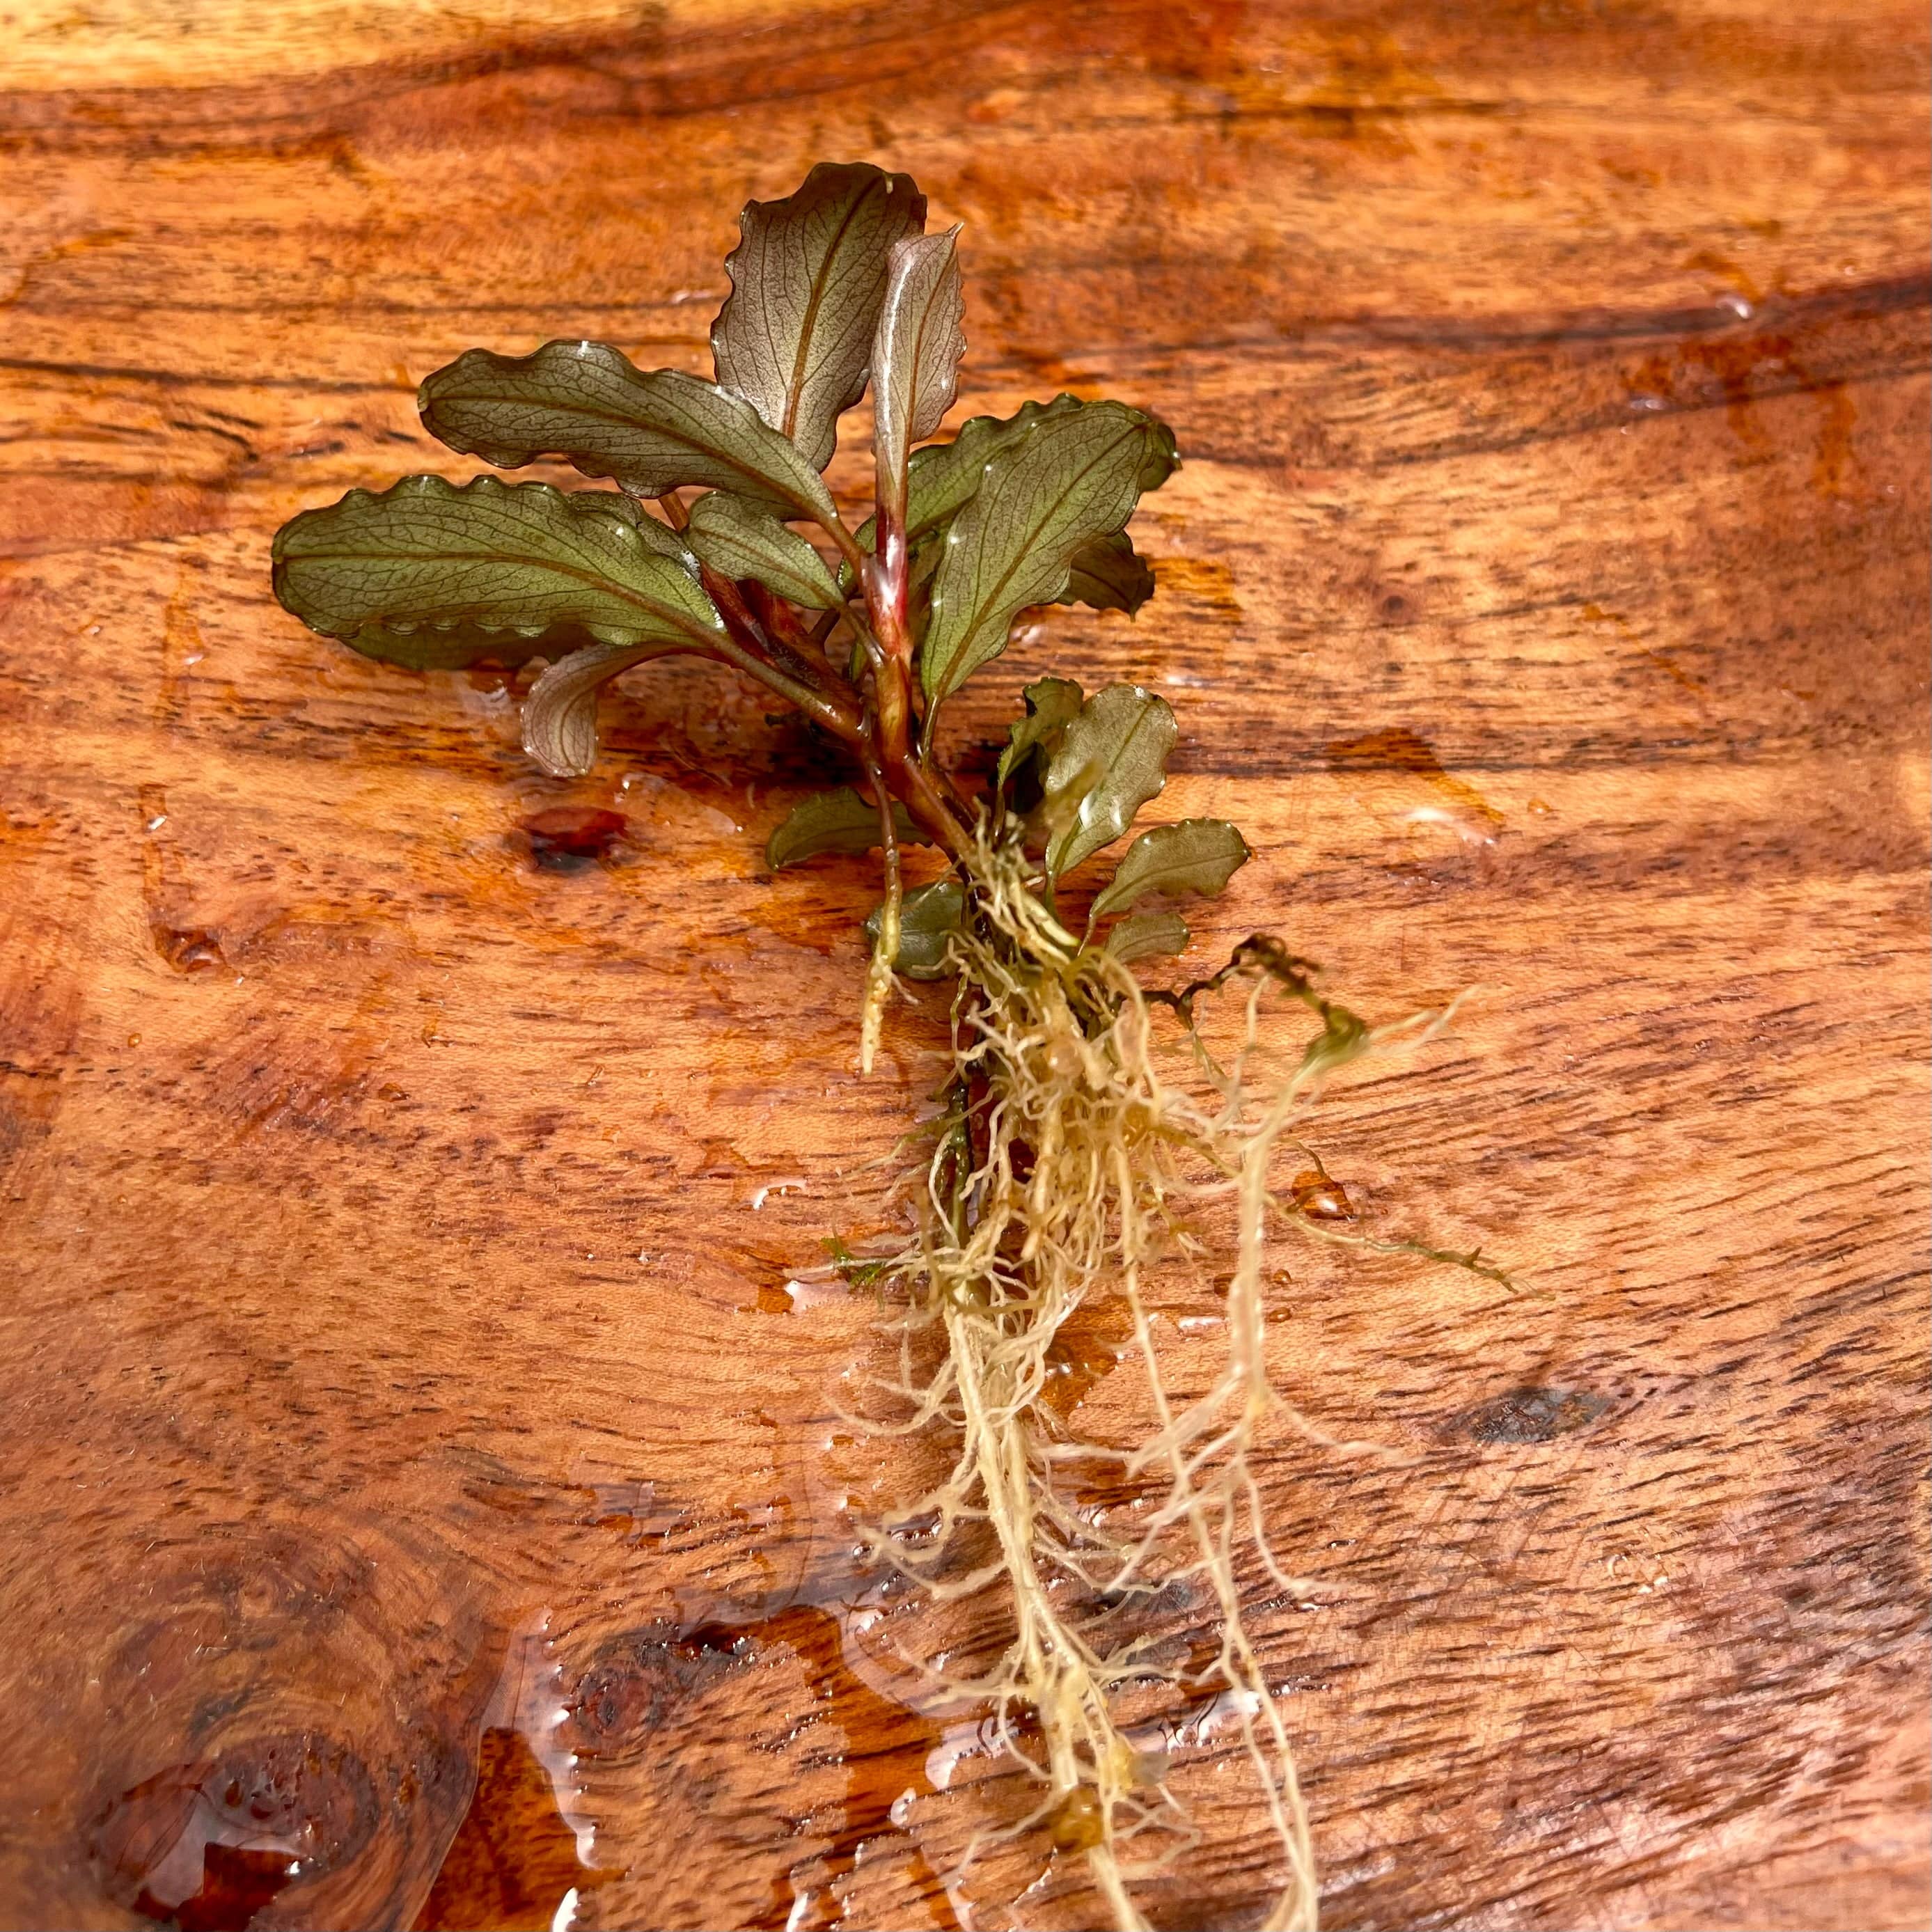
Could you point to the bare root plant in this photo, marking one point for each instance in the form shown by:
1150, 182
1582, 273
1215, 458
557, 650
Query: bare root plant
1086, 1119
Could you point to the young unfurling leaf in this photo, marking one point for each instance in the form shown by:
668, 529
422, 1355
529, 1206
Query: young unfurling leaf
845, 820
427, 557
1052, 705
650, 431
916, 359
738, 539
1112, 759
1109, 574
1074, 477
1144, 935
1195, 855
928, 918
794, 337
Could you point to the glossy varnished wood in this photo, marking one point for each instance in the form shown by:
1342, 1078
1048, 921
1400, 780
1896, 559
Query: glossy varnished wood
419, 1473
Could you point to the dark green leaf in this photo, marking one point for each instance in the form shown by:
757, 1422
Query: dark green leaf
426, 569
657, 536
916, 358
1112, 759
560, 713
1109, 574
1051, 706
794, 337
1195, 855
1074, 477
1144, 934
946, 476
652, 432
739, 539
455, 645
928, 918
845, 820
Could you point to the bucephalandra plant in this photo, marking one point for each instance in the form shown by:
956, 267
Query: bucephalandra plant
1084, 1118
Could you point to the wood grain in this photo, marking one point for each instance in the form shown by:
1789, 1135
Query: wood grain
423, 1490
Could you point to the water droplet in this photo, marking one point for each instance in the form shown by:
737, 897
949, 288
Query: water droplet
1319, 1198
760, 1196
1396, 777
189, 949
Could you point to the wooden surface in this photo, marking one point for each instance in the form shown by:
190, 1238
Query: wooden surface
420, 1479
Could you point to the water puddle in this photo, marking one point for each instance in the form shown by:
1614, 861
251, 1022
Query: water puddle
525, 1854
204, 1846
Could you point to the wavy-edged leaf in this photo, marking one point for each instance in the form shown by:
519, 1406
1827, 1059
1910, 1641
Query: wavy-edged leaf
457, 644
1109, 574
943, 478
657, 536
845, 820
651, 431
1052, 705
916, 355
739, 539
794, 337
1073, 477
928, 919
428, 569
1193, 855
560, 713
1112, 759
1144, 934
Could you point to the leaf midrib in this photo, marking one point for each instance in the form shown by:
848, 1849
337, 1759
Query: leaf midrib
982, 609
598, 579
1082, 822
592, 413
795, 387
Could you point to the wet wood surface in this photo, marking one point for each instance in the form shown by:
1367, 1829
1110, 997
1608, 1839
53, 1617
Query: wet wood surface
424, 1491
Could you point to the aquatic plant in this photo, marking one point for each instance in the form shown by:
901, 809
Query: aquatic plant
1086, 1121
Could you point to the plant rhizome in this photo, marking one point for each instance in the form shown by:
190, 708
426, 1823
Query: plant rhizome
1085, 1118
